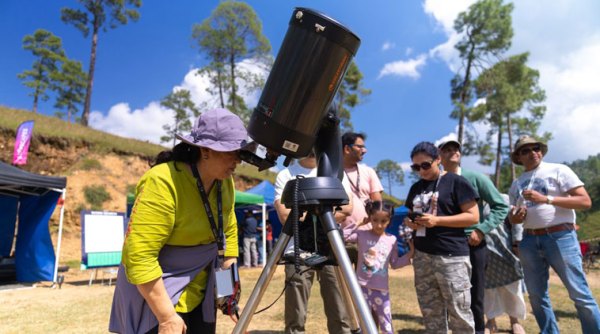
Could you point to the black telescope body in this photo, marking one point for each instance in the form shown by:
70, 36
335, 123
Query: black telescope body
307, 72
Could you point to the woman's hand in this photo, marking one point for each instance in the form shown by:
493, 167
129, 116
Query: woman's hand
411, 249
228, 262
410, 223
427, 220
172, 325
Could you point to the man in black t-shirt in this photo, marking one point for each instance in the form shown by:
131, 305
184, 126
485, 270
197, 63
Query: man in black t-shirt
446, 204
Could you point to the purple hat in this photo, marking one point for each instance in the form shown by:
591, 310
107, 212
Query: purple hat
218, 129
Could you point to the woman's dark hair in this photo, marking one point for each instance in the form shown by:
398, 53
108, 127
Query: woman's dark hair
349, 138
427, 148
374, 206
182, 152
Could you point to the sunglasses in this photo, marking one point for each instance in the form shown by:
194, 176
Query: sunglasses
426, 165
360, 147
528, 150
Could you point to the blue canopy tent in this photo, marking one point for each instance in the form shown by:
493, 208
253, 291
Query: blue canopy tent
267, 190
246, 201
394, 227
31, 199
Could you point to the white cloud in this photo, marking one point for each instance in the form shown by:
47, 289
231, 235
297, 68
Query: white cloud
146, 123
142, 124
445, 12
401, 68
387, 46
563, 38
409, 51
573, 101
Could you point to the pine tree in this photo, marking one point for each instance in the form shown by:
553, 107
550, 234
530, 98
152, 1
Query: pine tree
98, 14
232, 33
183, 108
48, 52
349, 95
69, 83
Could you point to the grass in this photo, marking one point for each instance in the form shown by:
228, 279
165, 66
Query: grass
589, 227
52, 127
77, 308
98, 141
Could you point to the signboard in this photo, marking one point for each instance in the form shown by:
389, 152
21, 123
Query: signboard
102, 236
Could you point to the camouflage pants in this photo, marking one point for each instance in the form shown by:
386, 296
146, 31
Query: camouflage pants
443, 290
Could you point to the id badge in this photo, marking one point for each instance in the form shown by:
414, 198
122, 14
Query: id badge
224, 282
421, 231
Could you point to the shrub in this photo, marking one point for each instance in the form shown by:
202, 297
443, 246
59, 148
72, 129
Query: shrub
96, 196
90, 164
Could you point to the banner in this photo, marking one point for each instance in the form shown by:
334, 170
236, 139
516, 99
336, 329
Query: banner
22, 141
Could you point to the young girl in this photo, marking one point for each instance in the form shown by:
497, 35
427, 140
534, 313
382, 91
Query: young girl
377, 251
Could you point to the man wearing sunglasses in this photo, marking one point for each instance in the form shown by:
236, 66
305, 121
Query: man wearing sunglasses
364, 183
544, 199
451, 155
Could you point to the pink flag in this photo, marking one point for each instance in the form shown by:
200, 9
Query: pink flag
22, 141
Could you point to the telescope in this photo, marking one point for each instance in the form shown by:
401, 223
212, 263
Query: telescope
293, 117
307, 72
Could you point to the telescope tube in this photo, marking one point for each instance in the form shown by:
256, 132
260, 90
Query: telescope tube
307, 72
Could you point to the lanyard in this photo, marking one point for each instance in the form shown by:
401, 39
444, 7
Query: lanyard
216, 230
422, 195
355, 186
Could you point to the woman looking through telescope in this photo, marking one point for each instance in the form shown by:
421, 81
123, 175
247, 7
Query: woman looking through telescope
182, 230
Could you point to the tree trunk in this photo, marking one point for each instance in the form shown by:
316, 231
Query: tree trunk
90, 82
463, 96
233, 96
220, 79
35, 100
390, 185
36, 94
510, 146
498, 157
175, 130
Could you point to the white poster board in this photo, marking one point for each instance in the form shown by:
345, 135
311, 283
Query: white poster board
103, 231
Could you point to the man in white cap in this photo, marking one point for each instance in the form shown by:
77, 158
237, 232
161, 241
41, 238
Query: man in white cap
451, 155
544, 199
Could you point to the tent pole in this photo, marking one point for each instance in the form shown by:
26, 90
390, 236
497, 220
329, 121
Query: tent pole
59, 238
264, 234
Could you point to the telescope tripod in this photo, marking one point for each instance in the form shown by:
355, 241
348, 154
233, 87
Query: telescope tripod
312, 192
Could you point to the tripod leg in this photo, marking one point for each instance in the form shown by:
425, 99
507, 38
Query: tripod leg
261, 285
355, 325
345, 266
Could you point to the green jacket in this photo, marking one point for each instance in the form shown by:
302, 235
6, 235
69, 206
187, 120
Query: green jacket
487, 194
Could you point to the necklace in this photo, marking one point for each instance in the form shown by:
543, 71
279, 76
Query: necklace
355, 188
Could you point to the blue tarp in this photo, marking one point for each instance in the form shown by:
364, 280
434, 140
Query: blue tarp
36, 199
266, 189
34, 254
399, 214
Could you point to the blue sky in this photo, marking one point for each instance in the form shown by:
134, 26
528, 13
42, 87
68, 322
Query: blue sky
406, 56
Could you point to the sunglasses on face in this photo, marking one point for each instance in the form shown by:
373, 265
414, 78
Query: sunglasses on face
360, 147
423, 165
528, 150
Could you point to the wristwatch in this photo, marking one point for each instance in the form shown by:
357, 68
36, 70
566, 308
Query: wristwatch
549, 199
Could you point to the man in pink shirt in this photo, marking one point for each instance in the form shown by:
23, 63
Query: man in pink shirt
364, 183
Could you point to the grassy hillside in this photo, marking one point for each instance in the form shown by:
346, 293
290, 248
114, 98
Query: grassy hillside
589, 226
98, 141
